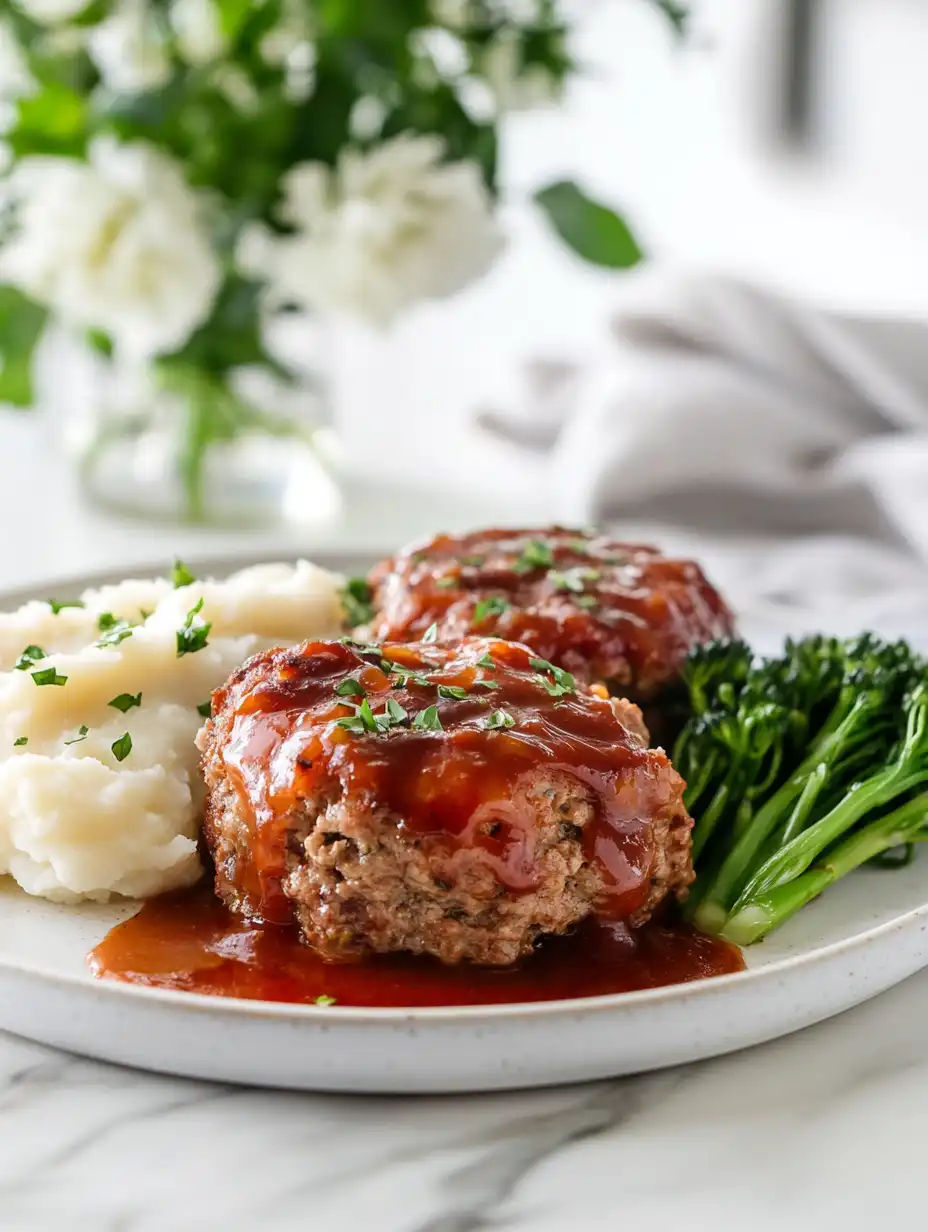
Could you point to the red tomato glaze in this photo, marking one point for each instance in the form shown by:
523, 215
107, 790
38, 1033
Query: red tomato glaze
191, 942
453, 783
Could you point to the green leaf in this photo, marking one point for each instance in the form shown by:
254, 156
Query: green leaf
53, 121
677, 14
593, 231
232, 15
21, 325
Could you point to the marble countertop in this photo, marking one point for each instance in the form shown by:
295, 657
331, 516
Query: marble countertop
823, 1129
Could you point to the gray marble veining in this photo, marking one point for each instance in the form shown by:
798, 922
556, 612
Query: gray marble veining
822, 1129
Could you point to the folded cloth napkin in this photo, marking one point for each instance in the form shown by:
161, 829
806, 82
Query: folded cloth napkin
739, 416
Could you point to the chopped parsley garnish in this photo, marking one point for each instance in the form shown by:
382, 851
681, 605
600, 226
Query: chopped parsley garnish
587, 601
193, 634
58, 605
494, 606
30, 656
431, 634
473, 561
325, 1000
356, 599
445, 583
126, 701
81, 735
428, 720
580, 546
405, 674
499, 719
562, 683
349, 688
487, 661
18, 744
49, 675
122, 747
364, 720
486, 684
452, 691
574, 579
362, 648
114, 631
535, 555
205, 709
181, 575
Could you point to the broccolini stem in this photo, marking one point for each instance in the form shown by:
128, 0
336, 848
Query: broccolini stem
754, 919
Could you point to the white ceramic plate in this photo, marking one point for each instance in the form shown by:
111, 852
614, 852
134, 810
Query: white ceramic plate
863, 936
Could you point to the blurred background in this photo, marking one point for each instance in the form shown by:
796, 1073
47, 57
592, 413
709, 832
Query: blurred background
774, 140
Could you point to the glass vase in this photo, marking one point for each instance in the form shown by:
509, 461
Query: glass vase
152, 450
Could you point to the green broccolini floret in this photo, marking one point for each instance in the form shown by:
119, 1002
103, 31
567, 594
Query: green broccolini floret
799, 766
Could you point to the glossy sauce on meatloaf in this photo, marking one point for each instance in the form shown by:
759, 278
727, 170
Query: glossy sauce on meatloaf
602, 609
434, 743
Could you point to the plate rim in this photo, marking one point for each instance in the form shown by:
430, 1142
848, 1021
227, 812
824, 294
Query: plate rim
374, 1016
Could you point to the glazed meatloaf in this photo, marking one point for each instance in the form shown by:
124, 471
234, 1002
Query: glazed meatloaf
606, 611
460, 802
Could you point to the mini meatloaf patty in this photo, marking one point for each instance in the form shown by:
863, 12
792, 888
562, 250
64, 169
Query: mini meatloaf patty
460, 802
606, 611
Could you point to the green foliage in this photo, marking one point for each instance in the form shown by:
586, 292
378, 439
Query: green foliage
593, 231
21, 324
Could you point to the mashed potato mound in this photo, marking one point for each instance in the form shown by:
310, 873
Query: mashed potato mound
76, 822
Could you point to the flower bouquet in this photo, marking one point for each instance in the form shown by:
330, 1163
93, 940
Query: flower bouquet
175, 175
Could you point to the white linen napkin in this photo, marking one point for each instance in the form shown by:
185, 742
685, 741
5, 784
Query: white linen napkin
793, 438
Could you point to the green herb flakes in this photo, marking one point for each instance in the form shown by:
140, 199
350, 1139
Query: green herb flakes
428, 720
499, 720
49, 676
21, 742
193, 634
205, 709
58, 605
486, 684
431, 634
356, 599
325, 1001
562, 683
126, 701
487, 661
29, 657
181, 575
349, 688
495, 605
81, 735
446, 583
535, 555
452, 691
122, 747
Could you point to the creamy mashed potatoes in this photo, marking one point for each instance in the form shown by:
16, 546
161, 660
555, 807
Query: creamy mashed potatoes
100, 792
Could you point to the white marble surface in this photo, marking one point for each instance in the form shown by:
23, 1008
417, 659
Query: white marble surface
824, 1129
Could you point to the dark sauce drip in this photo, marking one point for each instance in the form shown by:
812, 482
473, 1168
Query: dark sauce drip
192, 943
601, 608
461, 786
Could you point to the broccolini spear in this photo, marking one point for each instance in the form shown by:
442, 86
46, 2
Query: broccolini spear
784, 758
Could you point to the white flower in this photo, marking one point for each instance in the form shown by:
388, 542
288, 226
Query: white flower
382, 231
51, 12
115, 244
516, 86
198, 29
128, 49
